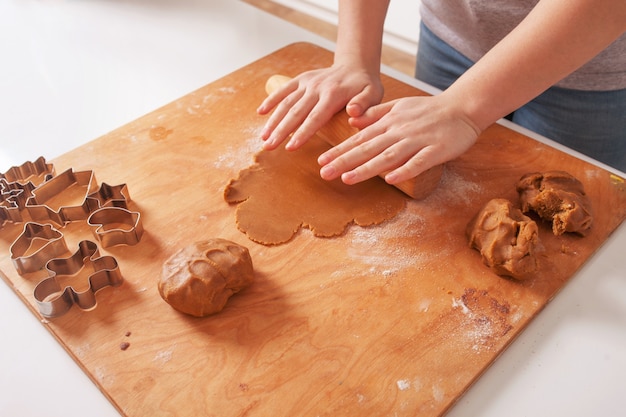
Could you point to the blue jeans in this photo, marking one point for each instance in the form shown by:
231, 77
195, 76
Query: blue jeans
591, 122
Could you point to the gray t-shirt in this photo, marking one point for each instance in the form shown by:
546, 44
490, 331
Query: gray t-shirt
473, 27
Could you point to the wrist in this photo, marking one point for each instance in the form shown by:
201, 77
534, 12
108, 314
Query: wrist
475, 106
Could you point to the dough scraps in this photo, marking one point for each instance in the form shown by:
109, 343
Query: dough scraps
557, 197
505, 238
283, 192
200, 278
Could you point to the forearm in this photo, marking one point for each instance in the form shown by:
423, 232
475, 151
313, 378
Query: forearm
360, 30
555, 39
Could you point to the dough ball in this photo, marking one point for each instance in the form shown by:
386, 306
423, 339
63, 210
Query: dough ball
200, 278
557, 197
505, 238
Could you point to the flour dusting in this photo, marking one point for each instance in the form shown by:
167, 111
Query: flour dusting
485, 319
383, 247
478, 330
458, 302
403, 384
454, 187
240, 156
438, 393
163, 356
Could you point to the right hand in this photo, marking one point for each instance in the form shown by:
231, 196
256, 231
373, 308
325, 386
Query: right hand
403, 137
307, 102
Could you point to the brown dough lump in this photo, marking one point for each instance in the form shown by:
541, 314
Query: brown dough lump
200, 278
505, 238
557, 197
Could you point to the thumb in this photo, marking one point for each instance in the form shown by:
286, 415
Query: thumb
362, 101
370, 116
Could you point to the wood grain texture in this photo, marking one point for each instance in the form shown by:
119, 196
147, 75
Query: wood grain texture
394, 319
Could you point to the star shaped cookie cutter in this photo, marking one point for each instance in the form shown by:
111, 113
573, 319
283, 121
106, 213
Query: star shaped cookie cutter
54, 301
109, 196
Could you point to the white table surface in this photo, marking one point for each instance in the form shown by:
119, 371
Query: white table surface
73, 70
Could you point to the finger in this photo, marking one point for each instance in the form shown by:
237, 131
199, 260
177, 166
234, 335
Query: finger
350, 143
356, 154
362, 102
371, 115
389, 158
286, 119
276, 96
321, 113
427, 158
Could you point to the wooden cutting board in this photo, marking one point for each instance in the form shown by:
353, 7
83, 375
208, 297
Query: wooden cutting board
397, 319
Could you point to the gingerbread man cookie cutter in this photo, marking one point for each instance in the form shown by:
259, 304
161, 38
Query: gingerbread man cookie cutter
54, 300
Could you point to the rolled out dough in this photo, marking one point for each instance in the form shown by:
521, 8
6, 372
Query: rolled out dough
283, 192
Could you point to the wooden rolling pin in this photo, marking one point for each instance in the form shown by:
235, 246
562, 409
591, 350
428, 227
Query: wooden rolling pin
337, 130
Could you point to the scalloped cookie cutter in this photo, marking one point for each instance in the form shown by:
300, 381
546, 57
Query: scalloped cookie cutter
29, 169
54, 301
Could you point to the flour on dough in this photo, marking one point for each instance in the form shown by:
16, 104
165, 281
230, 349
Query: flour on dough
283, 192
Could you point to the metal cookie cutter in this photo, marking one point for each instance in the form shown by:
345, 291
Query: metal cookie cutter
17, 184
29, 169
116, 226
41, 212
109, 196
10, 196
53, 301
33, 232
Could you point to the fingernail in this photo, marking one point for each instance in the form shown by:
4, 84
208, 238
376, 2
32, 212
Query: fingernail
327, 171
290, 146
354, 110
268, 144
391, 177
348, 177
